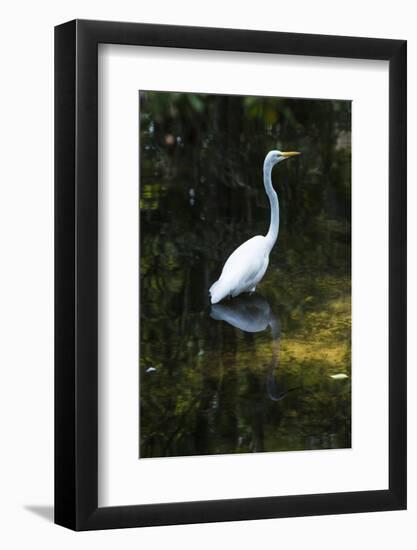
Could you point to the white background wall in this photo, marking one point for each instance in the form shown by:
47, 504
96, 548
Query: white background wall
26, 272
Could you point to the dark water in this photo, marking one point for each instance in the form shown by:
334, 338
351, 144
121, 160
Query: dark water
267, 372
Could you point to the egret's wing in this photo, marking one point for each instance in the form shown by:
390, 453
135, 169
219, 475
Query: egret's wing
245, 262
244, 267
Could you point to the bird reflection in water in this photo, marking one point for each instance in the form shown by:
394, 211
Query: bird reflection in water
252, 313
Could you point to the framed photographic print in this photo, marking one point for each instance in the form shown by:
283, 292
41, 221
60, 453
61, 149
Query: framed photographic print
230, 275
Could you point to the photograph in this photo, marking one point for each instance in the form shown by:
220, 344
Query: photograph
208, 331
245, 274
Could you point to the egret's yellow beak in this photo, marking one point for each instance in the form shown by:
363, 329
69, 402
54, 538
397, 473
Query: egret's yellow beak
290, 154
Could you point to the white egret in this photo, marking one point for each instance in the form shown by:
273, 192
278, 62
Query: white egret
246, 266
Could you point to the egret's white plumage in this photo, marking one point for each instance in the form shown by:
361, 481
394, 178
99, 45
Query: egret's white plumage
246, 266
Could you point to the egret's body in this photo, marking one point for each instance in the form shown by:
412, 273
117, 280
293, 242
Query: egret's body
247, 265
243, 270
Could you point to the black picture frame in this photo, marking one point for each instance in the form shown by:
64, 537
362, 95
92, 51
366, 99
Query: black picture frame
76, 272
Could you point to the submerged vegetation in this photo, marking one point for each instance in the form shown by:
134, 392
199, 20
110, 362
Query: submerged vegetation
207, 386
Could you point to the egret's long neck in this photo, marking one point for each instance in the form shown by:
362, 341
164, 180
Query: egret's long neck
272, 234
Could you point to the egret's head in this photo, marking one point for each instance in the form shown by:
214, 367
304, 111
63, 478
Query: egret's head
273, 157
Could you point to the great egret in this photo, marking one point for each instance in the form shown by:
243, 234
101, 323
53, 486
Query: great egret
246, 266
